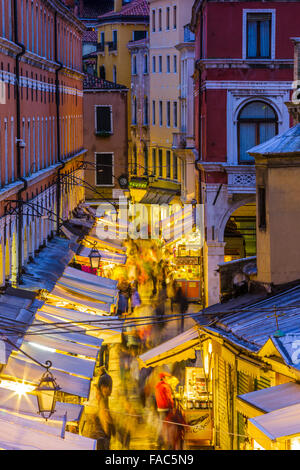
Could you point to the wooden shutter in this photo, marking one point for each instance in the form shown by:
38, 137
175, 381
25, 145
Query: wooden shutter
103, 119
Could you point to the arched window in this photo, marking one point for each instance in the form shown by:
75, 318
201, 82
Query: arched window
257, 122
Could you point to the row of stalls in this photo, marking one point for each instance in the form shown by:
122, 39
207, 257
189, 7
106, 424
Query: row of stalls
182, 247
63, 315
183, 358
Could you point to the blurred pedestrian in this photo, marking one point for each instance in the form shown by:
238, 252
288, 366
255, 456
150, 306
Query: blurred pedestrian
164, 402
161, 303
135, 297
124, 295
182, 301
104, 425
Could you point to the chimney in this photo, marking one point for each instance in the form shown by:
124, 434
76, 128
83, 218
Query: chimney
118, 5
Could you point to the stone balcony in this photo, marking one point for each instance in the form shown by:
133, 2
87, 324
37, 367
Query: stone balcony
182, 141
241, 179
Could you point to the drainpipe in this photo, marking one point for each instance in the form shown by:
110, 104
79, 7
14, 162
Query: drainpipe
57, 99
18, 119
200, 198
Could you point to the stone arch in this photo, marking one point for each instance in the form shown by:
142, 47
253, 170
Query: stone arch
263, 99
232, 208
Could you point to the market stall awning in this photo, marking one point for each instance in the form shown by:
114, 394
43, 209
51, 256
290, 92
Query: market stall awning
48, 265
86, 291
275, 426
60, 296
27, 405
65, 345
108, 329
268, 399
63, 362
86, 278
19, 433
176, 349
88, 287
68, 332
113, 245
30, 372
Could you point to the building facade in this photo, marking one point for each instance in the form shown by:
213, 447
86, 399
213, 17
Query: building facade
242, 81
40, 126
105, 138
167, 22
140, 114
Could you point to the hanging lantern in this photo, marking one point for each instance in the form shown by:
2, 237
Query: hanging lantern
95, 258
46, 394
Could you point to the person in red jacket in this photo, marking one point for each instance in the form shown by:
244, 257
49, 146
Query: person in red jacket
164, 402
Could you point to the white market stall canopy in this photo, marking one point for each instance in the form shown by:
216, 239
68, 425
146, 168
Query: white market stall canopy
62, 362
113, 245
67, 332
28, 371
275, 426
27, 405
101, 282
19, 433
269, 399
58, 344
108, 329
60, 296
176, 349
86, 284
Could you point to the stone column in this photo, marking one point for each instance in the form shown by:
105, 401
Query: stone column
213, 255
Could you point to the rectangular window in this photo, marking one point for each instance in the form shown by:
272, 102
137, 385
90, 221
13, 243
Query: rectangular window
168, 164
103, 119
175, 63
168, 113
168, 18
104, 169
262, 207
175, 17
160, 162
160, 19
168, 64
259, 35
145, 63
102, 38
153, 21
138, 35
175, 168
134, 66
160, 64
160, 113
154, 161
153, 113
153, 64
115, 40
175, 114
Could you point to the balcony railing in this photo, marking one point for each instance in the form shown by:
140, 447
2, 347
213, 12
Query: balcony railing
112, 46
182, 141
100, 47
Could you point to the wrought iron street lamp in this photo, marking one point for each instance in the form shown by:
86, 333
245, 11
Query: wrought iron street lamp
46, 393
95, 258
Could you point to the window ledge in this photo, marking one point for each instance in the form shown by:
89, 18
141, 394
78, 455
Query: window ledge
103, 134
